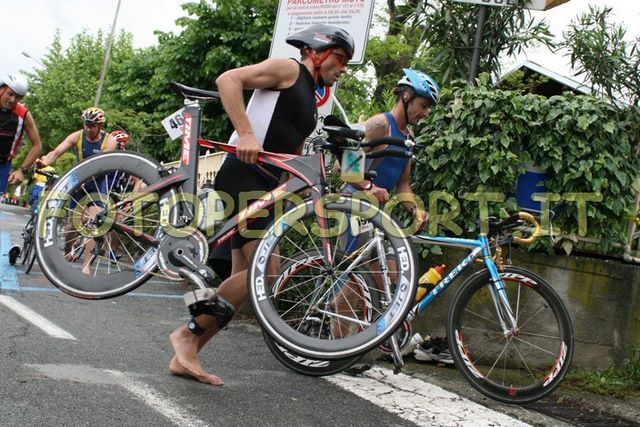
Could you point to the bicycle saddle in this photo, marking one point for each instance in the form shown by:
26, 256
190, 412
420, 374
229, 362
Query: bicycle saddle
195, 93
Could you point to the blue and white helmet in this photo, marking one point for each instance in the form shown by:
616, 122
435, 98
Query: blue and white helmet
423, 84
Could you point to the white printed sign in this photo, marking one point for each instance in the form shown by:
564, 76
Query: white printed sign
173, 123
530, 4
353, 16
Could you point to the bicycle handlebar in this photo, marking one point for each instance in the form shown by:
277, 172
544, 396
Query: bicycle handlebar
390, 153
345, 132
51, 175
525, 216
516, 220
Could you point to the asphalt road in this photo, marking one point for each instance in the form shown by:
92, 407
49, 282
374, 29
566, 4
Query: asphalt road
70, 362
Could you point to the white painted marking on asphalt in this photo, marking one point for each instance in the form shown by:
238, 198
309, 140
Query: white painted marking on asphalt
152, 399
26, 313
418, 401
90, 375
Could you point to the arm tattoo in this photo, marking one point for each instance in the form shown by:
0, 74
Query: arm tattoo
376, 125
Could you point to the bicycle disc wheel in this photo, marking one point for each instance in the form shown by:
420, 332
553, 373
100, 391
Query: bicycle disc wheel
304, 266
317, 317
80, 211
521, 366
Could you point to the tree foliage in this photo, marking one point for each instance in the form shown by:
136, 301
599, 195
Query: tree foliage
214, 37
599, 50
480, 140
61, 91
449, 30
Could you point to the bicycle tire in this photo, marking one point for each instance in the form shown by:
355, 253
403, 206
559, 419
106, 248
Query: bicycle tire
305, 328
304, 365
32, 260
106, 279
522, 367
27, 240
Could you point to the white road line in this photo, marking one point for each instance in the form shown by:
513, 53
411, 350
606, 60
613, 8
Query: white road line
420, 402
90, 375
152, 399
33, 317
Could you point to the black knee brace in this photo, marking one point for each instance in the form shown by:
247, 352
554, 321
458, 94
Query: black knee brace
207, 301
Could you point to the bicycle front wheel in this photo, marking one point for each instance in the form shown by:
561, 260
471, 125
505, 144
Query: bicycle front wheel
318, 315
525, 364
79, 249
305, 266
32, 259
28, 234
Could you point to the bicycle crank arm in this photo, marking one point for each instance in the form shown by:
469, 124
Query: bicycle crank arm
202, 275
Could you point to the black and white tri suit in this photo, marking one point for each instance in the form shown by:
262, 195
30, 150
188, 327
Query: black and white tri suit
281, 120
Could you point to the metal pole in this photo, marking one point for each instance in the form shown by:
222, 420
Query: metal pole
475, 59
34, 59
107, 54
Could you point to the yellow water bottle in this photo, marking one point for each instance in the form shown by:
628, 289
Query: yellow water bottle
429, 279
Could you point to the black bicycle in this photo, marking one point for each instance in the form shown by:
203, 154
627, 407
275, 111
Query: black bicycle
27, 251
159, 229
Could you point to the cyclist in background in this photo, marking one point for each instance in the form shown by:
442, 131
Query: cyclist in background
15, 119
39, 183
416, 94
281, 114
88, 141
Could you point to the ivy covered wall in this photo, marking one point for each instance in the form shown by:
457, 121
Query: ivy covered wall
477, 141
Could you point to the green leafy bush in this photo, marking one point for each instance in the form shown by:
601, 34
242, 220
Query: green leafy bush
479, 139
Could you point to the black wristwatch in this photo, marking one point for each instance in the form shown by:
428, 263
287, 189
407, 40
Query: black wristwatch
24, 169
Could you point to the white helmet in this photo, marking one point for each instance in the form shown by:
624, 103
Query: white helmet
16, 82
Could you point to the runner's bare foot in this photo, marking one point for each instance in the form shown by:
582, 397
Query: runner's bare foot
186, 362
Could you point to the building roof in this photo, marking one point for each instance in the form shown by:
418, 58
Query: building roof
557, 83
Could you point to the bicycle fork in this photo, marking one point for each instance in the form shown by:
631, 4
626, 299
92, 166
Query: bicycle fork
504, 313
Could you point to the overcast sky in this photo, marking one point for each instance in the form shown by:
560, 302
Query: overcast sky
29, 25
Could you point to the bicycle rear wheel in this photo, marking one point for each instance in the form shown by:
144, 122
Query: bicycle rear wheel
316, 317
523, 366
114, 260
305, 266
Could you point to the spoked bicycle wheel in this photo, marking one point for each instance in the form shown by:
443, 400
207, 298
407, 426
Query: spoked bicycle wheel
524, 365
79, 249
27, 241
305, 266
317, 317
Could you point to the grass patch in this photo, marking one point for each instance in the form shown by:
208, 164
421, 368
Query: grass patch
622, 382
